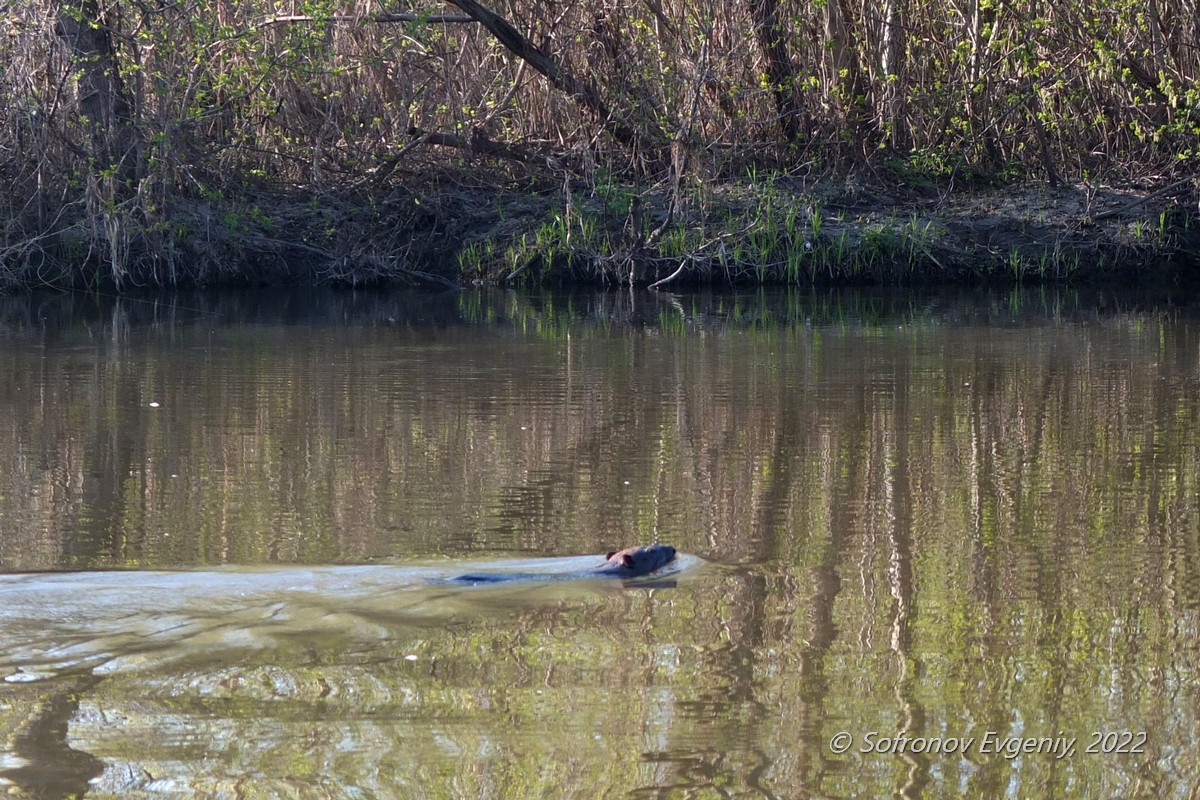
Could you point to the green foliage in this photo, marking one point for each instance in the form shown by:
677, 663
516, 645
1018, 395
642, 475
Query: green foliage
324, 98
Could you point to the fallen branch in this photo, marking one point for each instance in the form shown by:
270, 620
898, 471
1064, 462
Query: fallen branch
429, 277
478, 143
1139, 201
584, 92
670, 277
716, 240
379, 19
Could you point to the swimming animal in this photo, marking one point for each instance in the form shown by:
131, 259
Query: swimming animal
632, 562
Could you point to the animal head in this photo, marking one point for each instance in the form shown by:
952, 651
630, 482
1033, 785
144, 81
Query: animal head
643, 559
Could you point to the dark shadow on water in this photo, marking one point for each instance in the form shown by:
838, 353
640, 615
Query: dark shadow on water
53, 769
74, 315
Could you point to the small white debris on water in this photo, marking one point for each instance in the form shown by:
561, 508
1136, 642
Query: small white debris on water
154, 404
626, 483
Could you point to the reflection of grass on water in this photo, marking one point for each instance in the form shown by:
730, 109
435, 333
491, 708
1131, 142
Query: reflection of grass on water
583, 313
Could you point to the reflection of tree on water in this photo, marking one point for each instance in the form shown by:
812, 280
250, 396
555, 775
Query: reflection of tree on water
52, 768
899, 521
766, 614
945, 524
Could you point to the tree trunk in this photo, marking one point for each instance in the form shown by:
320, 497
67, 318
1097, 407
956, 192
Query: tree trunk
847, 76
103, 101
891, 63
780, 71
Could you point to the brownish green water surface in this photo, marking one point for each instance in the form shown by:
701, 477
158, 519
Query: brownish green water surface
934, 546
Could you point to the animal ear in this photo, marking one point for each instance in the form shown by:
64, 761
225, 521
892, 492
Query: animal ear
611, 553
627, 560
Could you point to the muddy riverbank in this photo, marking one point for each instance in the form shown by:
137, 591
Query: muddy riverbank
789, 231
780, 230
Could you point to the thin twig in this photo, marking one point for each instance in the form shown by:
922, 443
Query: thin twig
1139, 201
670, 277
382, 19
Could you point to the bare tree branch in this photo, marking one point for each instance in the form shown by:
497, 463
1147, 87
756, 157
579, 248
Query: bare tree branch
584, 92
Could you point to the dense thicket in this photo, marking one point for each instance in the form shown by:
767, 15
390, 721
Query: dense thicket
144, 137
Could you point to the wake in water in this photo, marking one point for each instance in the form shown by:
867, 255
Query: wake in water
102, 622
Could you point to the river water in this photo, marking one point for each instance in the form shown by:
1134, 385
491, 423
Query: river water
934, 545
